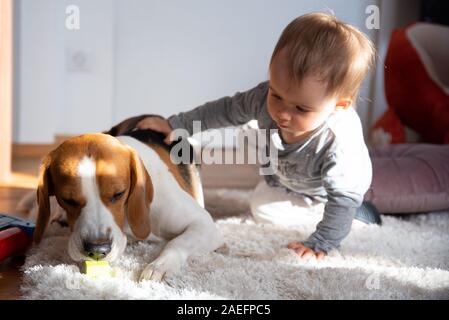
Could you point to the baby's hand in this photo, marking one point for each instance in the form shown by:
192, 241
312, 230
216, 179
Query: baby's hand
305, 252
157, 124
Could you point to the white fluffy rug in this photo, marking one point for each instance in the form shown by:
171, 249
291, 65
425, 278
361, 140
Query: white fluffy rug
403, 259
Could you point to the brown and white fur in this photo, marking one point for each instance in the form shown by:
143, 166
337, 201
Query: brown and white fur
111, 187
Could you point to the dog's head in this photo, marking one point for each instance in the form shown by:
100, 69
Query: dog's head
103, 186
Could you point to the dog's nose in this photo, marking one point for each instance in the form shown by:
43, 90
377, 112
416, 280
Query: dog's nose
97, 250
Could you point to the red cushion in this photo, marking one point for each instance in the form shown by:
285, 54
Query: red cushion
411, 86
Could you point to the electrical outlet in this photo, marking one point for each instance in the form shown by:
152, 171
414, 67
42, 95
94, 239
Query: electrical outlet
77, 61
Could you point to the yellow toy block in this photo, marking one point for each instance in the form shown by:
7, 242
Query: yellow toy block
95, 269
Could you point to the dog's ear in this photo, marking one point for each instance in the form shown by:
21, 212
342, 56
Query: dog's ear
139, 198
44, 191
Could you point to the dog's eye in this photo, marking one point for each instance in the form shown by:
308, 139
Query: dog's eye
71, 202
117, 196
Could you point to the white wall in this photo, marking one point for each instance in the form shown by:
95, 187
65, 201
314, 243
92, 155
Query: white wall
88, 90
51, 96
37, 77
147, 57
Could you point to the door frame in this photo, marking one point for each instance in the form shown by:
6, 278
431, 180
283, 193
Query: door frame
6, 87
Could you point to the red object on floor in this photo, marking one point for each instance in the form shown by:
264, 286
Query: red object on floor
13, 241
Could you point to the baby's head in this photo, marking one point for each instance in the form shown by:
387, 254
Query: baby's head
316, 68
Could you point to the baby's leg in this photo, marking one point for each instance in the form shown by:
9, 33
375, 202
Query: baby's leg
276, 205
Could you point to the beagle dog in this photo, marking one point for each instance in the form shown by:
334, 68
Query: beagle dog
122, 183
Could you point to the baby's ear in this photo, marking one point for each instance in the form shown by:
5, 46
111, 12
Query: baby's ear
343, 104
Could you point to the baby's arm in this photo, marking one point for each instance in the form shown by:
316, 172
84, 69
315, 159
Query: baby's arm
346, 177
225, 112
334, 227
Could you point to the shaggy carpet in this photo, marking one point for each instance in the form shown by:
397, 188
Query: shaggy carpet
405, 258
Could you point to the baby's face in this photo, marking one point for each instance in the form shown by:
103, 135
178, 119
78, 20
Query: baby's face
297, 109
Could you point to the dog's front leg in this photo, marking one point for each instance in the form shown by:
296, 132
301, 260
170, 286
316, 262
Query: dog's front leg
198, 237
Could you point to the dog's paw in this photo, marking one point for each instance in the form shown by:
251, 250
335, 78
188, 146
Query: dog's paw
152, 272
159, 269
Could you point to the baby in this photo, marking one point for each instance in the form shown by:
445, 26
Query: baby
323, 166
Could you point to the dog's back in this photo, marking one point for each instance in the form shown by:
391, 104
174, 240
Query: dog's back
189, 171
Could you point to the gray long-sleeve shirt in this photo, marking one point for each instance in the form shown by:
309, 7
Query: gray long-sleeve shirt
331, 165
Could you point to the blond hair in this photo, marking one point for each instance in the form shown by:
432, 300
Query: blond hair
318, 44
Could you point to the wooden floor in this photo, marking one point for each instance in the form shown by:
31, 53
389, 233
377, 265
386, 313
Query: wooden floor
25, 180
